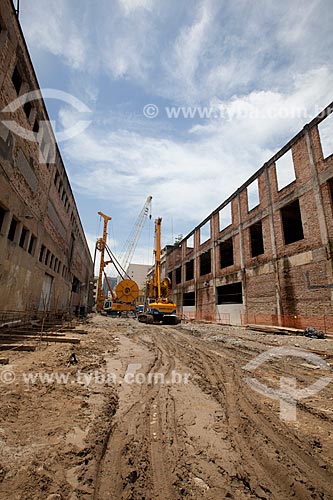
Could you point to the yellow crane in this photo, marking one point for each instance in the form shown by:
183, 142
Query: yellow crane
127, 291
160, 308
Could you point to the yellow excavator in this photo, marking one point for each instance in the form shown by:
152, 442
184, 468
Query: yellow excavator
160, 308
127, 290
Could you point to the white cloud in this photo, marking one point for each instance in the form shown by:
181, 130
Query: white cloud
189, 178
264, 117
221, 55
126, 41
125, 56
130, 6
182, 52
297, 20
54, 30
252, 61
189, 48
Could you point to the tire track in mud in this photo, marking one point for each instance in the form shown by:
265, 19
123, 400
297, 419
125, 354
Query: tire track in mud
141, 452
276, 465
151, 452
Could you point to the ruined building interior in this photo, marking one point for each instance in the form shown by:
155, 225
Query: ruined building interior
264, 255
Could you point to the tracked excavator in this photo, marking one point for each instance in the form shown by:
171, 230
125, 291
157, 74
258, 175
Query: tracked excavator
160, 308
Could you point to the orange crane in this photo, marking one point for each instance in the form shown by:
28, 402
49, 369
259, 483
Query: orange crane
100, 245
160, 308
127, 291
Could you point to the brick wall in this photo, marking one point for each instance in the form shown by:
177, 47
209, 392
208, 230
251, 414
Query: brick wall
288, 281
36, 193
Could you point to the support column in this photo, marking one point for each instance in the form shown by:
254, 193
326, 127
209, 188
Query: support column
320, 208
279, 307
213, 237
196, 244
241, 254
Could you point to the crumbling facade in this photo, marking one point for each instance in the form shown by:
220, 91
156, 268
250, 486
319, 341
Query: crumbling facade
267, 254
45, 261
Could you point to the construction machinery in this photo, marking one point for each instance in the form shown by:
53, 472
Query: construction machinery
132, 240
127, 291
160, 308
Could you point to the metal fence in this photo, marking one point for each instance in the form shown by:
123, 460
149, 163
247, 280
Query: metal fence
17, 319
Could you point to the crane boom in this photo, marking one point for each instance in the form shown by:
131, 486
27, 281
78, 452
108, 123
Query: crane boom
132, 240
157, 251
100, 245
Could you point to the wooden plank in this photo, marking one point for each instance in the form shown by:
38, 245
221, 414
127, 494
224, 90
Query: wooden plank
272, 329
18, 333
17, 347
65, 340
83, 332
44, 338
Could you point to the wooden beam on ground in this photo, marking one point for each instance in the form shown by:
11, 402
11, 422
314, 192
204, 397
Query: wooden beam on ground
17, 347
83, 332
279, 330
65, 340
16, 333
44, 338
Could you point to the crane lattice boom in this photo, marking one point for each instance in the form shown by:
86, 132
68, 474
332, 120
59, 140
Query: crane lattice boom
132, 240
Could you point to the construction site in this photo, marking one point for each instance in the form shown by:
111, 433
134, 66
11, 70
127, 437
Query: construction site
205, 374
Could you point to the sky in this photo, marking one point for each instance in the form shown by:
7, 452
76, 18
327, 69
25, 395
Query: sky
230, 82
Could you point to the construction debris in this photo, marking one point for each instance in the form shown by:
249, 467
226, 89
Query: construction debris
312, 333
17, 347
33, 327
72, 359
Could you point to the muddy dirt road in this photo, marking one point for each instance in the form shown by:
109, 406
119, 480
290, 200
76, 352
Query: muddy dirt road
202, 432
177, 419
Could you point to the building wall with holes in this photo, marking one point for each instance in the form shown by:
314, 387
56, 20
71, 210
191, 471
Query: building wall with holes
271, 257
41, 236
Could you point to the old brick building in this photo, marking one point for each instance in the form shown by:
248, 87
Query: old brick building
265, 254
44, 258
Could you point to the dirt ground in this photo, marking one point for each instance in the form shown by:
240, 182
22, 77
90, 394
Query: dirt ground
155, 412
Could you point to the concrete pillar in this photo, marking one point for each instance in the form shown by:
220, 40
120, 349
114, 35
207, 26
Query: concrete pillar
214, 222
18, 231
6, 223
24, 88
241, 253
196, 244
279, 308
317, 190
33, 115
320, 208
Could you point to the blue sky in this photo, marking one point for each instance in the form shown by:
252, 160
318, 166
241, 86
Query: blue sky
263, 67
